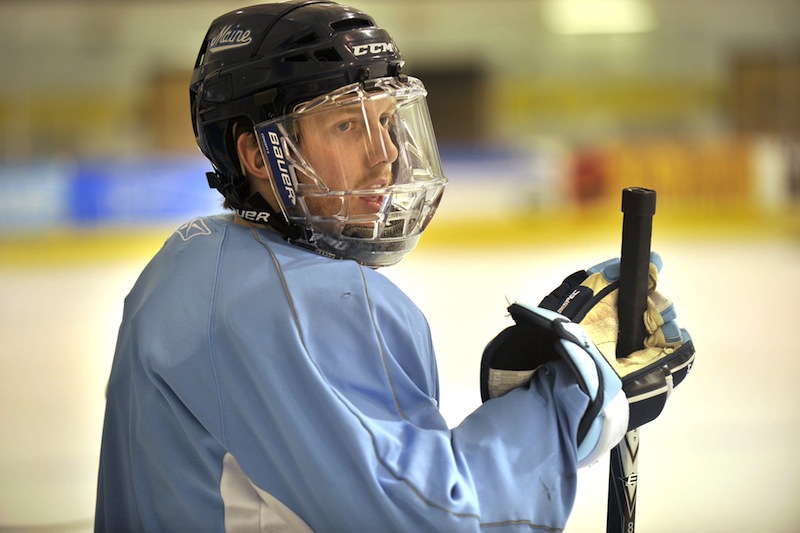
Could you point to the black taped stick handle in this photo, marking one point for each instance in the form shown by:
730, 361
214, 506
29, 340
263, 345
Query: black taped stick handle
638, 208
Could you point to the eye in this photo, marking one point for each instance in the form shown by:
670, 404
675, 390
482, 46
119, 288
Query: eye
386, 119
344, 126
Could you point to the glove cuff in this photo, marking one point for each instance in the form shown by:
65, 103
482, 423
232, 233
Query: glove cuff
541, 335
606, 435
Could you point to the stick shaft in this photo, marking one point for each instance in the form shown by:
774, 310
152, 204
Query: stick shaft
638, 207
623, 478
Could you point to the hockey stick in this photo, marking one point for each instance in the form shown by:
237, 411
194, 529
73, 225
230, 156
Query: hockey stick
638, 208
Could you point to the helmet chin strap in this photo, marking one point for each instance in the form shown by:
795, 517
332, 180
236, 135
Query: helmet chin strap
256, 209
260, 211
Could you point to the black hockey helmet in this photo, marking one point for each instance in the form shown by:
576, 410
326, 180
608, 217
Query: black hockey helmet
259, 62
277, 70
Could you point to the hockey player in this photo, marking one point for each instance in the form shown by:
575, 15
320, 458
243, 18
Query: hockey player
267, 377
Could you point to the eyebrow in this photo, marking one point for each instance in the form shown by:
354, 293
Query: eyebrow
344, 112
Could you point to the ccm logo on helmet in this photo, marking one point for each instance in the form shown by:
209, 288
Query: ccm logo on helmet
373, 48
230, 37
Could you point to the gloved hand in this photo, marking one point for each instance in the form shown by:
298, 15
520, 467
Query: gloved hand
648, 375
590, 299
541, 339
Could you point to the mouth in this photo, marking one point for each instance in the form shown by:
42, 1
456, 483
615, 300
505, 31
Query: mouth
372, 203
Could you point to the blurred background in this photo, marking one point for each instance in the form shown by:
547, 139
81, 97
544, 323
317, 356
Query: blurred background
544, 110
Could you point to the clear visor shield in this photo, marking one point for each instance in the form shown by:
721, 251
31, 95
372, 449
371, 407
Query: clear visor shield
359, 167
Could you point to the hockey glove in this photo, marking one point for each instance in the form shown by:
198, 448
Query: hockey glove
648, 375
541, 336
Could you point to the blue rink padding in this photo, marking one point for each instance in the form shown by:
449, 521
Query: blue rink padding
145, 190
169, 189
107, 192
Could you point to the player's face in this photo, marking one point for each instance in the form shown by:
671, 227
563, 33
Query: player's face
350, 148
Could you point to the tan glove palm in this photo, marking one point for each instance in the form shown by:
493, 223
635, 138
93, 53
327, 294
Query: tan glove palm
648, 375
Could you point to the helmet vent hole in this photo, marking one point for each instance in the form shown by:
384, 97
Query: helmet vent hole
350, 24
309, 38
327, 54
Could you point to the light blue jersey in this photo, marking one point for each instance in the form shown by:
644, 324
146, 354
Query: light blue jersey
258, 386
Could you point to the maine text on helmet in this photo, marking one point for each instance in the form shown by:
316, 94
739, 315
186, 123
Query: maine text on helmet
230, 37
373, 48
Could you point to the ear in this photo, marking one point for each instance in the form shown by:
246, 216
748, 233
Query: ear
250, 156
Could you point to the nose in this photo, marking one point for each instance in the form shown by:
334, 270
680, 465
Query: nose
380, 145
